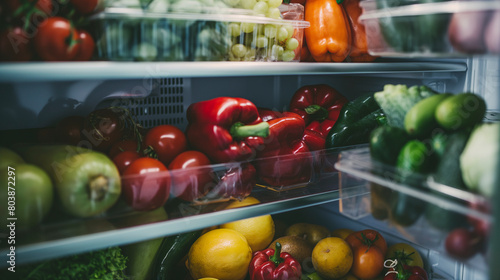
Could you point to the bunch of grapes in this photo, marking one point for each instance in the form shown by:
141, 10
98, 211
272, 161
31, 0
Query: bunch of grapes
260, 41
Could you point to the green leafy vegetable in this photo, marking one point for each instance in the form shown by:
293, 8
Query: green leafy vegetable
396, 100
107, 264
479, 160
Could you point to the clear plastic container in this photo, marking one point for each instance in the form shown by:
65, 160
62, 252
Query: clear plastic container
421, 209
440, 28
205, 34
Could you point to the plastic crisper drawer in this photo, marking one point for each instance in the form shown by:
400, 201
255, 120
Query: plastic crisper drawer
431, 28
128, 34
423, 211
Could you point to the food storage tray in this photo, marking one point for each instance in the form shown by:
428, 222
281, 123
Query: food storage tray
128, 34
431, 210
418, 28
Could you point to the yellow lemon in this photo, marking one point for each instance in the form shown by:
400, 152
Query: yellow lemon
332, 257
249, 200
259, 231
222, 254
342, 232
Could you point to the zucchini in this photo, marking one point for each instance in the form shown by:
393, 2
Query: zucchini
172, 250
448, 172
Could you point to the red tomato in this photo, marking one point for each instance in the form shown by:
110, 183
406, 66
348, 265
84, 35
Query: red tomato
146, 184
190, 181
85, 6
69, 130
462, 243
87, 46
56, 40
416, 271
124, 159
368, 262
167, 141
15, 45
367, 237
121, 146
103, 128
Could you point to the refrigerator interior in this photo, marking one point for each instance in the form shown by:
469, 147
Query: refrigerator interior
39, 96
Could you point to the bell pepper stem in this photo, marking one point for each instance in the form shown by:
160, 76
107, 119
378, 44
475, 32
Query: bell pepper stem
276, 259
317, 112
98, 187
240, 131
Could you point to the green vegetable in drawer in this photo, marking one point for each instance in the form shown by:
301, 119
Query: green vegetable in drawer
87, 183
419, 33
448, 173
397, 100
356, 121
172, 250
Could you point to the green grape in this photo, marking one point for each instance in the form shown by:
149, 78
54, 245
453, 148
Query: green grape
290, 29
239, 50
247, 27
260, 8
282, 34
234, 29
276, 52
250, 55
288, 55
261, 42
292, 44
248, 4
232, 3
270, 30
273, 13
274, 3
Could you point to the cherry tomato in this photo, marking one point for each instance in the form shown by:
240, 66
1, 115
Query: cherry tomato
462, 243
416, 271
85, 6
167, 141
15, 45
191, 175
123, 159
103, 128
368, 262
87, 46
123, 145
367, 237
69, 130
56, 40
146, 184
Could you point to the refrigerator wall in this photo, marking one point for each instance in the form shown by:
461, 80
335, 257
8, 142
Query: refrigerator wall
36, 96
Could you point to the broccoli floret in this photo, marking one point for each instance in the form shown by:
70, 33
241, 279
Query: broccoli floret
107, 264
396, 100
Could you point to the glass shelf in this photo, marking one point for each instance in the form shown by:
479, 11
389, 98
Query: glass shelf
63, 71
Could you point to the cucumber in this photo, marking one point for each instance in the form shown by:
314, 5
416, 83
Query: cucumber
386, 142
460, 111
448, 172
420, 120
172, 250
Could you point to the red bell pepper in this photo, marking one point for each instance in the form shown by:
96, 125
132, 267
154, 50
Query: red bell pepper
285, 159
319, 106
270, 264
225, 129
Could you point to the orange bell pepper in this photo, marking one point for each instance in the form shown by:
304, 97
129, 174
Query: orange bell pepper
329, 36
359, 51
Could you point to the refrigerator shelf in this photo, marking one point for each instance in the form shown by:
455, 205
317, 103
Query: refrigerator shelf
68, 71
